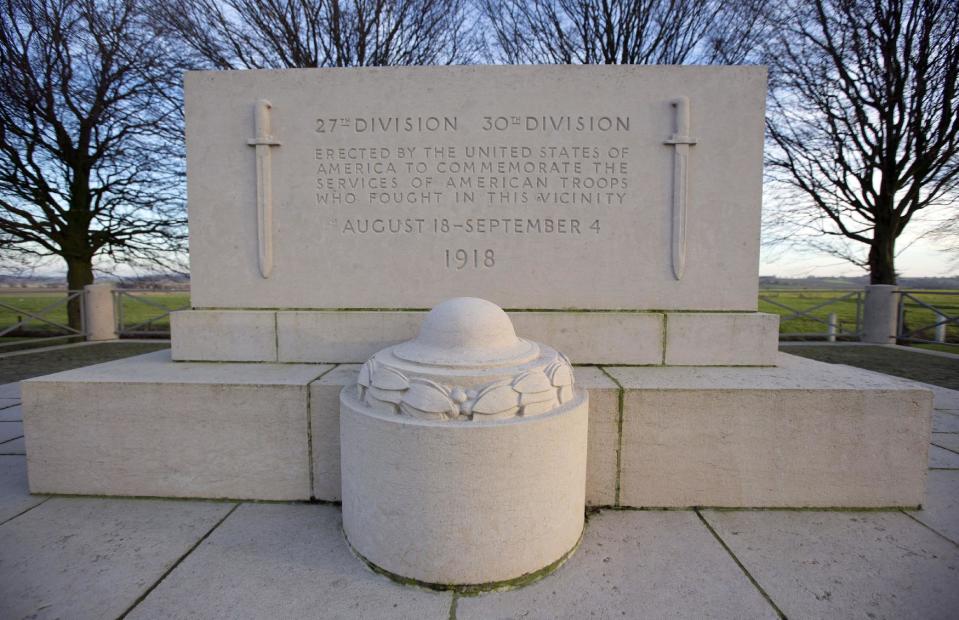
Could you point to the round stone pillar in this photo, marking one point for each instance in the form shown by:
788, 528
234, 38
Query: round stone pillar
99, 314
464, 453
880, 314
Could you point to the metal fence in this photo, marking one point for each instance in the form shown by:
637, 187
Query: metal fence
816, 314
140, 313
42, 319
928, 317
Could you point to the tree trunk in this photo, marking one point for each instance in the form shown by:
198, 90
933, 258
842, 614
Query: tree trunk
882, 256
79, 274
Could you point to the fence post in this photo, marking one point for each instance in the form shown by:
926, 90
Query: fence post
833, 327
99, 311
880, 314
941, 327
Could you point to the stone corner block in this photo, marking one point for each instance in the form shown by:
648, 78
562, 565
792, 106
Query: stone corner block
603, 439
146, 426
325, 429
223, 335
802, 434
721, 339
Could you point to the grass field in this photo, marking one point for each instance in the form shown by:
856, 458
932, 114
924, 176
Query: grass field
144, 308
137, 308
811, 302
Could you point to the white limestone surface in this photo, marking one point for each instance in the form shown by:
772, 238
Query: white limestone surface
224, 336
283, 561
844, 564
601, 455
325, 429
721, 339
148, 426
940, 511
651, 564
354, 336
463, 503
548, 187
92, 558
14, 495
801, 434
603, 439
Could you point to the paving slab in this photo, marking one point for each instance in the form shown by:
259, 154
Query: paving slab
11, 414
949, 441
942, 421
845, 564
650, 564
9, 402
941, 508
14, 446
14, 495
10, 390
10, 430
939, 458
283, 561
91, 557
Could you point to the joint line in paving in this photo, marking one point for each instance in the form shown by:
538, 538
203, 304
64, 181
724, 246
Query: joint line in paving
621, 397
741, 566
452, 615
179, 560
929, 527
944, 448
23, 512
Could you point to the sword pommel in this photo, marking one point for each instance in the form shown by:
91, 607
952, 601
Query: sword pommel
681, 115
261, 124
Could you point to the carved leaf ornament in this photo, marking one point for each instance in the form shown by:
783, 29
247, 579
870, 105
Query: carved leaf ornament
533, 392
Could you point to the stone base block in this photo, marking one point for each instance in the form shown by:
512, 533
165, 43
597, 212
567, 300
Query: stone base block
802, 434
595, 337
145, 426
454, 504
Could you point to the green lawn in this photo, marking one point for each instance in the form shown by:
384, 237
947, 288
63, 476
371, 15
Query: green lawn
136, 308
916, 315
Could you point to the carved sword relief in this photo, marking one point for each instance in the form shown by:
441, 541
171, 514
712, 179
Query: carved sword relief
681, 142
263, 141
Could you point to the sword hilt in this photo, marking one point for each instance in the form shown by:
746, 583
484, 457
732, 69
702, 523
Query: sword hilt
681, 114
261, 124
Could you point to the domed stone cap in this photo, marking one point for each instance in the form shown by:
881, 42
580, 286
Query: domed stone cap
465, 364
466, 331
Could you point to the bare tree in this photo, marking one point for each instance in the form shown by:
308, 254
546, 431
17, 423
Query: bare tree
90, 160
623, 31
256, 34
863, 120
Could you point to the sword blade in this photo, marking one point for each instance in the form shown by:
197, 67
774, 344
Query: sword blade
680, 165
264, 209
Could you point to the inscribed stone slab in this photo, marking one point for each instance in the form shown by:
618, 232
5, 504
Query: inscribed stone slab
533, 187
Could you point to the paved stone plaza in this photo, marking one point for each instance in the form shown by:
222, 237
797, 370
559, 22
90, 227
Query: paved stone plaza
84, 557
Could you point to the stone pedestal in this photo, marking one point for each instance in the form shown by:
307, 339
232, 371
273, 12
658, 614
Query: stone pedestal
464, 453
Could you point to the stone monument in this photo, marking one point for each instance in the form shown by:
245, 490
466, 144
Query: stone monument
612, 212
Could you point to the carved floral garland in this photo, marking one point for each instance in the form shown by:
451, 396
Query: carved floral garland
531, 393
